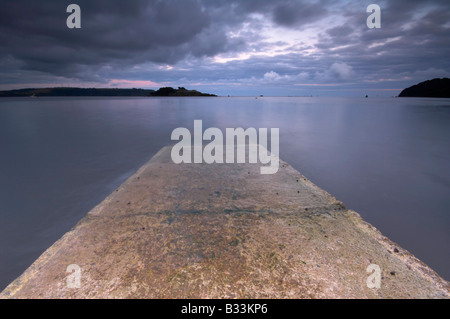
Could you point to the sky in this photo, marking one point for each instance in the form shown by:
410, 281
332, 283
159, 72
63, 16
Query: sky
226, 47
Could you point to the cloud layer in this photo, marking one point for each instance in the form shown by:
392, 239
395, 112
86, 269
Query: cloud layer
279, 47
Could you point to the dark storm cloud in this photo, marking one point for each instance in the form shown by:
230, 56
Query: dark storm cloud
136, 31
112, 31
135, 40
295, 13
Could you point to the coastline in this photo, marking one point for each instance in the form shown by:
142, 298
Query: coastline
245, 235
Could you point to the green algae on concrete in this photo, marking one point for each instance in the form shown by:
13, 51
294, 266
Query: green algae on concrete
224, 231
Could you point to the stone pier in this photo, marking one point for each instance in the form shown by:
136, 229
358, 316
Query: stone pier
223, 231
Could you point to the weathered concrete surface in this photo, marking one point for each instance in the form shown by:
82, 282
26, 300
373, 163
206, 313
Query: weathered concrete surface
224, 231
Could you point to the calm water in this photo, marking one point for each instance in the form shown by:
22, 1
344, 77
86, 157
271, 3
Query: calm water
388, 159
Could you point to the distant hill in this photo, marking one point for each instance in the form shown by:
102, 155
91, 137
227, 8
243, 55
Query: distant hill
181, 91
431, 88
67, 91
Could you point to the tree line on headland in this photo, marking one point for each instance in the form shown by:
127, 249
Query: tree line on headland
70, 91
181, 91
432, 88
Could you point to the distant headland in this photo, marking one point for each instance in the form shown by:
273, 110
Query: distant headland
72, 91
181, 91
431, 88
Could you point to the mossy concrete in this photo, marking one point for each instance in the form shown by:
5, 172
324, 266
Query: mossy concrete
224, 231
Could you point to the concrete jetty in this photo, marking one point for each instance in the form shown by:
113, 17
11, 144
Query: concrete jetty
223, 231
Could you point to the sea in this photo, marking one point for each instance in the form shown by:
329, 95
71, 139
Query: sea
386, 158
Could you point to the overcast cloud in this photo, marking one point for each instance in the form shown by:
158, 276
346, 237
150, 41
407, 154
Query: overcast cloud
247, 47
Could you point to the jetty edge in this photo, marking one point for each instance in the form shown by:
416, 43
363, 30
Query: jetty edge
223, 231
